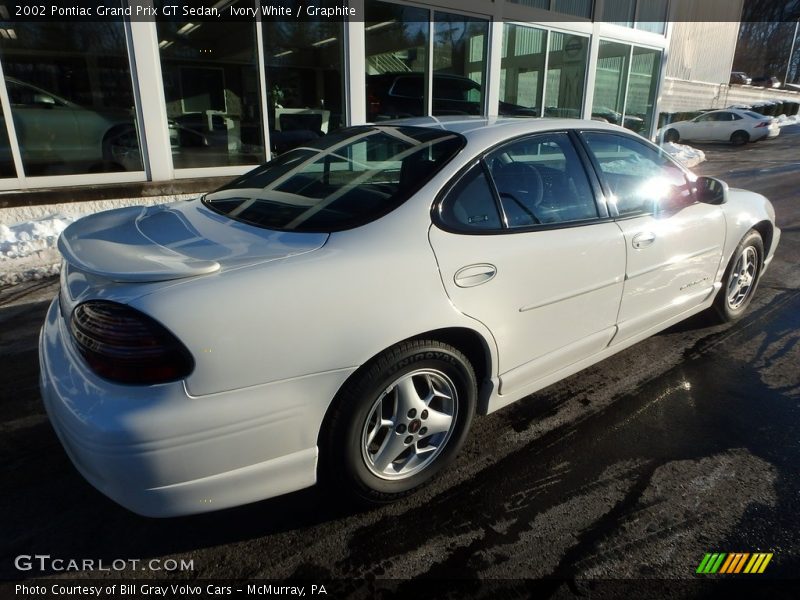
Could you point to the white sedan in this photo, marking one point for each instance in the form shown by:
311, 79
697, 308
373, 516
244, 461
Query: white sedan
729, 125
341, 313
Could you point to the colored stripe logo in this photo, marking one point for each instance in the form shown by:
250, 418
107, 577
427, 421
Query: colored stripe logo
734, 562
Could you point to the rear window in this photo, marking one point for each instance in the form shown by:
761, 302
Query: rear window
754, 115
340, 181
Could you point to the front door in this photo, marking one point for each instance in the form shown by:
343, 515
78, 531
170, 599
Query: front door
673, 243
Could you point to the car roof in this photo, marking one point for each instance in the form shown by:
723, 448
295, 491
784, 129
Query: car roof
491, 130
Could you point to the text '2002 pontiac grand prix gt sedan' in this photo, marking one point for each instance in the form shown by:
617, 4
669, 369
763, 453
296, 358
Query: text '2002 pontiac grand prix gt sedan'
341, 313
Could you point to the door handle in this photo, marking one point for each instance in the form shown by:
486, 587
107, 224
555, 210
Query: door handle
473, 275
643, 240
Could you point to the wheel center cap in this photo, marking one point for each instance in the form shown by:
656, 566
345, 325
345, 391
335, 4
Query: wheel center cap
414, 426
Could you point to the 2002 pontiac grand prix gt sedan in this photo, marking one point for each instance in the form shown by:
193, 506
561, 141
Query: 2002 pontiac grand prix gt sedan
342, 312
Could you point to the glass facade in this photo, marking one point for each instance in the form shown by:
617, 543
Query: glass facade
71, 98
303, 67
211, 91
625, 85
459, 64
396, 52
523, 81
77, 99
566, 75
522, 68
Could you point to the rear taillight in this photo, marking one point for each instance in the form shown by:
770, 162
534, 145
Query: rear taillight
763, 124
124, 345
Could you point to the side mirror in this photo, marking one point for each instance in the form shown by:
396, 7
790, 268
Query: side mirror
711, 191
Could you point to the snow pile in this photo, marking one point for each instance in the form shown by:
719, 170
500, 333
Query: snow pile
686, 155
28, 249
783, 120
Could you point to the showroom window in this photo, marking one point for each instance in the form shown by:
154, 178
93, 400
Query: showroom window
576, 8
303, 62
566, 75
71, 98
7, 168
523, 83
522, 68
645, 15
211, 90
396, 40
459, 62
399, 49
625, 85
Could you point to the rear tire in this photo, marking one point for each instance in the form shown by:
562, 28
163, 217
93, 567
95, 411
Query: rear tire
398, 422
740, 138
740, 280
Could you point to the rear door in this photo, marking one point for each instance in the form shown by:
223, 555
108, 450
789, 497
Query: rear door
524, 247
673, 243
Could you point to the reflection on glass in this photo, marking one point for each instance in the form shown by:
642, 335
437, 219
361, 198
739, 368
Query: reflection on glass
579, 8
7, 168
71, 97
610, 81
652, 15
642, 89
566, 75
396, 41
211, 91
642, 180
304, 78
459, 64
619, 12
522, 68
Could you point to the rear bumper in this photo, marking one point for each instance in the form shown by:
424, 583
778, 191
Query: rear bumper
160, 452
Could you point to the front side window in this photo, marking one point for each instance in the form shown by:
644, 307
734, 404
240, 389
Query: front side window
540, 180
341, 181
642, 179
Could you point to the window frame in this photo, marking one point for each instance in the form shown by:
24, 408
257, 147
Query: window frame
598, 192
691, 178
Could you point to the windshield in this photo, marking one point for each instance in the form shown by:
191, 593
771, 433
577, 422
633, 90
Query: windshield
340, 181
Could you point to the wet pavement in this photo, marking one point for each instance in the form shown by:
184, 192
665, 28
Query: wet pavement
686, 443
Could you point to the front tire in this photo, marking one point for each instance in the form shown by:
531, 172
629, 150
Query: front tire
398, 422
741, 279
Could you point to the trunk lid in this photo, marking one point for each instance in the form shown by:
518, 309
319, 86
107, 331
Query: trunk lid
173, 241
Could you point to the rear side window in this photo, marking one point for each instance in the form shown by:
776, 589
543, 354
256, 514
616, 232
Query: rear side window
470, 203
541, 181
642, 179
339, 181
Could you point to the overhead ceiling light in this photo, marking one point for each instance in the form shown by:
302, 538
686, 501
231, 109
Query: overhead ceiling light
3, 12
380, 25
165, 43
12, 34
284, 53
188, 28
3, 34
323, 42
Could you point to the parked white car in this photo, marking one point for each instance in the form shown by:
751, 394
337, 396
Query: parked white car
342, 312
729, 125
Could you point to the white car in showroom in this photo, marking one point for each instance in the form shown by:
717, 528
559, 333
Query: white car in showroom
341, 313
730, 125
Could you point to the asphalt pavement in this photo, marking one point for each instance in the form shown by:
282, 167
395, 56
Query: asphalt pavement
684, 444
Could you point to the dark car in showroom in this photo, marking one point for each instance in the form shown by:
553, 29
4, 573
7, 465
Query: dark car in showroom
398, 95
